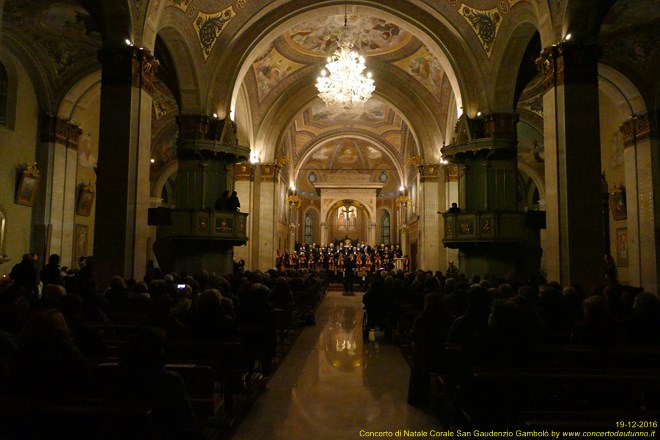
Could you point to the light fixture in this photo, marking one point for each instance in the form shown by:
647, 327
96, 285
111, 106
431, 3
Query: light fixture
568, 37
343, 83
128, 42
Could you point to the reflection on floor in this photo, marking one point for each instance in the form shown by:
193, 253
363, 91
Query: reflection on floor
332, 385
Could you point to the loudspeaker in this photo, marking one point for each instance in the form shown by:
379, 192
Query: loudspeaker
535, 219
159, 216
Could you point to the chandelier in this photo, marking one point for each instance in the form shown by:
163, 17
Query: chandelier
342, 83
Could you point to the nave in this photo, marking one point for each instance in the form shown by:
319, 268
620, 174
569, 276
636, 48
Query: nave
332, 385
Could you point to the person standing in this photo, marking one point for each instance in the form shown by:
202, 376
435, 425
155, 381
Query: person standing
25, 275
349, 266
233, 204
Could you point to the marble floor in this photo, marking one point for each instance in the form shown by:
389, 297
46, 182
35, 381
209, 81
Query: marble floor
332, 385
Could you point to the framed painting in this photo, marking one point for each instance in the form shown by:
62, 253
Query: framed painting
622, 247
85, 200
618, 203
27, 186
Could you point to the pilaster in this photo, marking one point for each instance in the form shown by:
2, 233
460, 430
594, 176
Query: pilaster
267, 213
121, 230
641, 144
572, 165
429, 228
57, 157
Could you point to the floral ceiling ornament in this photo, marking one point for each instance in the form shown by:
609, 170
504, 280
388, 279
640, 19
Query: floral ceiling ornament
485, 24
210, 26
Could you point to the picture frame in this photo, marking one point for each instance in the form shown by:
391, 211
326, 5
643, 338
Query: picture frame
85, 200
618, 203
80, 241
28, 186
622, 247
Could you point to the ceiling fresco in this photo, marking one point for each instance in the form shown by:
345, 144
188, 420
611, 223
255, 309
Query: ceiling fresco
376, 112
342, 157
426, 69
271, 69
64, 30
372, 36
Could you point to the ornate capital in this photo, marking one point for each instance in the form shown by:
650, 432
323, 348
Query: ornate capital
428, 172
451, 172
569, 63
130, 66
243, 171
269, 172
640, 128
57, 130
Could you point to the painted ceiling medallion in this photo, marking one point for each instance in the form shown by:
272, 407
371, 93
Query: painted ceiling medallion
210, 26
485, 24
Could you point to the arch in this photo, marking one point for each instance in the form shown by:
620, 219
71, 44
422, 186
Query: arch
626, 96
420, 119
8, 88
157, 186
80, 95
437, 37
509, 64
535, 176
337, 203
187, 72
338, 135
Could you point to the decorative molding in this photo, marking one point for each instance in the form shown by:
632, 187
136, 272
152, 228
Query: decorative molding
451, 172
128, 67
484, 23
640, 128
243, 172
269, 172
428, 172
210, 26
57, 130
569, 63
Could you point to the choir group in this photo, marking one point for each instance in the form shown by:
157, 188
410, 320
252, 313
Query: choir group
362, 259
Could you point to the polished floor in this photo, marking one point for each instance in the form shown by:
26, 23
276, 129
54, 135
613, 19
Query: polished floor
331, 385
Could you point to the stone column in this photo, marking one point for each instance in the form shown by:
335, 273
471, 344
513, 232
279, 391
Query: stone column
57, 158
372, 234
573, 238
243, 185
429, 228
121, 230
642, 169
267, 214
293, 202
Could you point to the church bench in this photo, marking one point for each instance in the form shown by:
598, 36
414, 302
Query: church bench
497, 396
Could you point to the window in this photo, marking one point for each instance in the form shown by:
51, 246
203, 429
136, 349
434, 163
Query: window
309, 229
385, 228
4, 93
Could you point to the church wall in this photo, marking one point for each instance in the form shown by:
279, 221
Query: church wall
88, 118
17, 149
612, 164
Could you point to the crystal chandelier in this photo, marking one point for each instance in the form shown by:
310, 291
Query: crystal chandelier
342, 83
